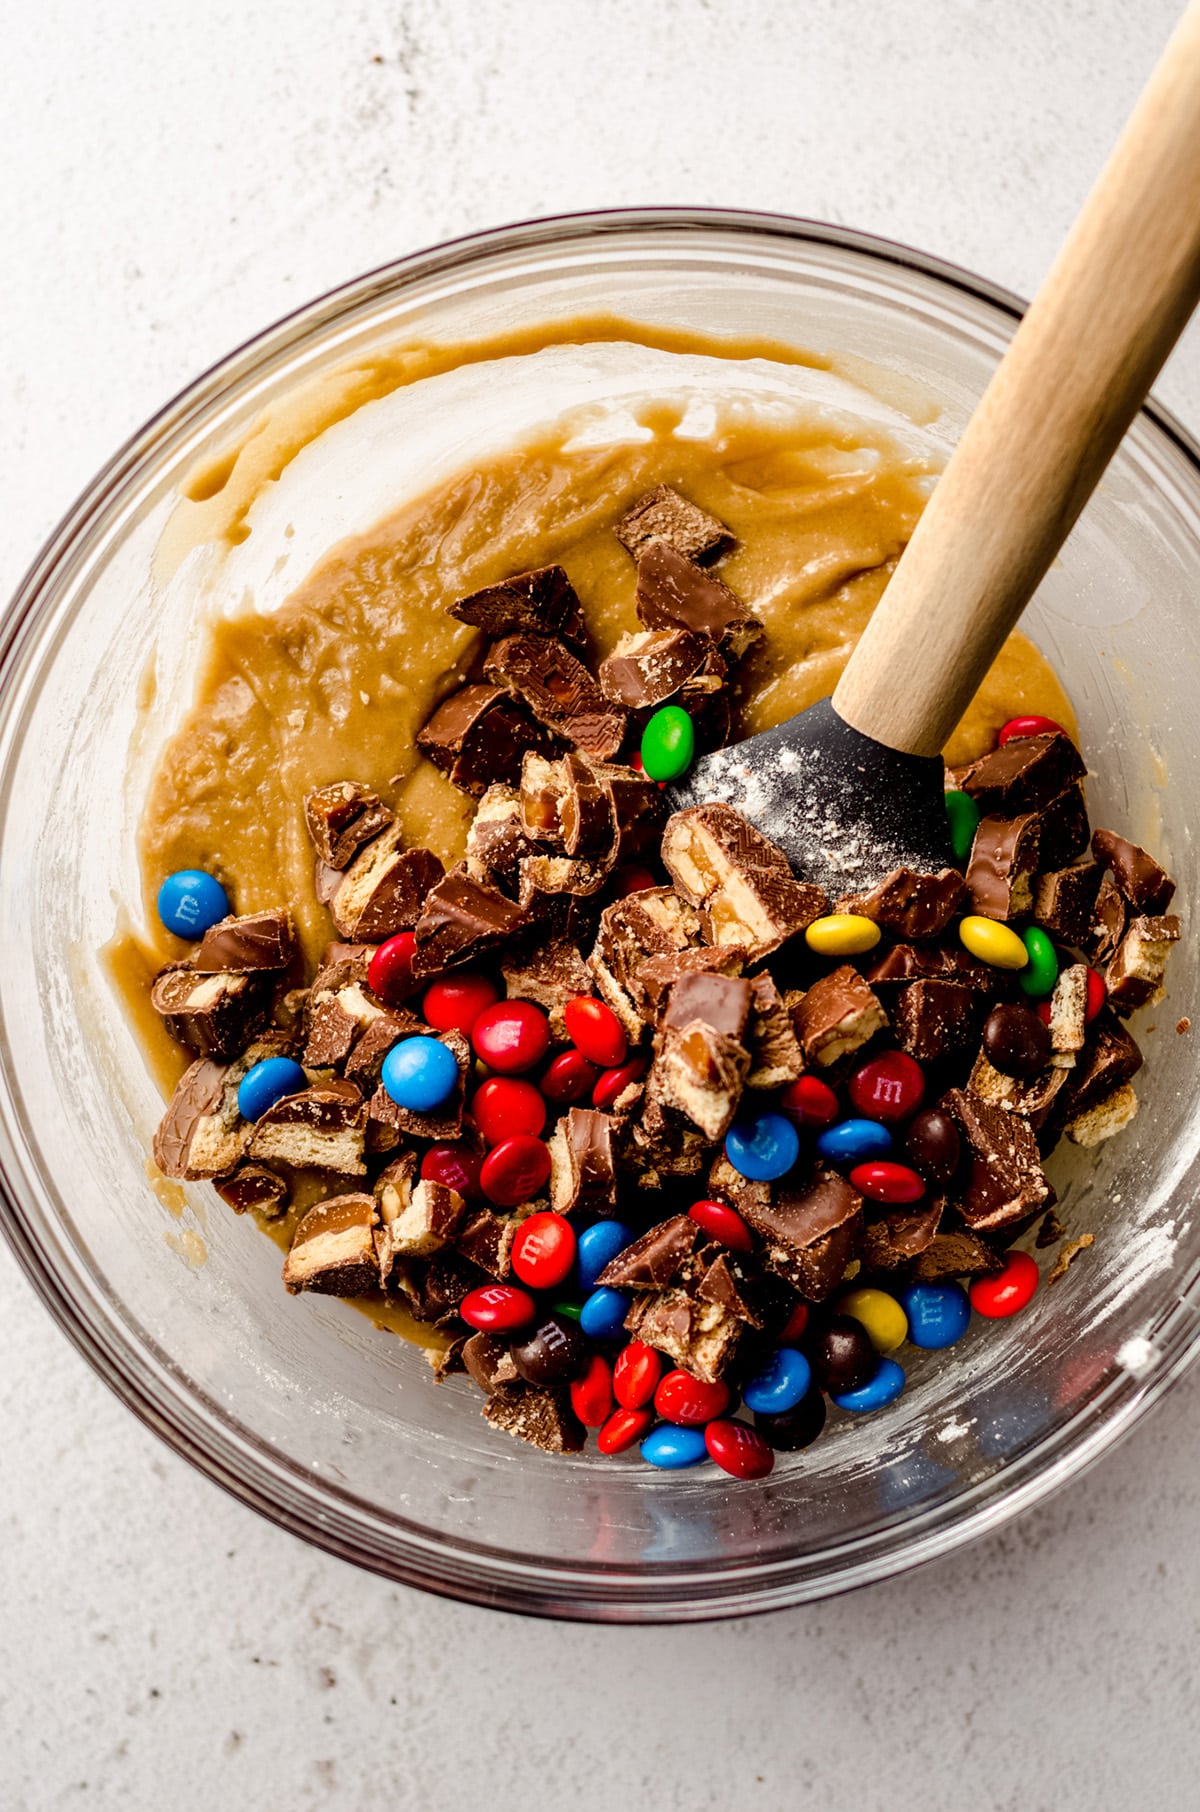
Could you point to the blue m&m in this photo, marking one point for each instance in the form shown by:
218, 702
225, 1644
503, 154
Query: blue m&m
853, 1141
191, 902
938, 1314
266, 1083
598, 1246
602, 1316
763, 1148
782, 1383
670, 1447
879, 1391
420, 1073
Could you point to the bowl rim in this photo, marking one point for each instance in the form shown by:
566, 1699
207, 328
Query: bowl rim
472, 1572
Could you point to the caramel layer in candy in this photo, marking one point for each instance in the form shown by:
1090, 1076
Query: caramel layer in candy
217, 1014
254, 1189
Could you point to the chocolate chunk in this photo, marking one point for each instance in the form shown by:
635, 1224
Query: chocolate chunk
256, 940
393, 1196
542, 601
811, 1231
654, 922
738, 879
640, 806
216, 1015
553, 1353
931, 1142
1006, 1181
497, 840
463, 920
1110, 1057
654, 977
543, 1418
339, 1009
1105, 1119
653, 1261
341, 818
435, 1289
333, 1249
1015, 1041
894, 1239
480, 734
322, 1127
725, 1184
560, 692
588, 813
664, 515
549, 975
490, 1364
384, 889
359, 955
646, 669
912, 962
1064, 901
909, 904
675, 593
715, 1000
582, 1166
254, 1189
440, 1123
365, 1062
486, 1239
726, 1281
664, 1143
202, 1133
775, 1054
955, 1254
935, 1018
1063, 828
1024, 775
838, 1015
700, 1063
1135, 974
1143, 882
1000, 873
701, 1337
1109, 917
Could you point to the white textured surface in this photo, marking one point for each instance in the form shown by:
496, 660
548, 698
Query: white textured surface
185, 175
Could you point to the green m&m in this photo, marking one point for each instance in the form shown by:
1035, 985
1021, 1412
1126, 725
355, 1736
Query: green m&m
963, 814
1039, 976
668, 744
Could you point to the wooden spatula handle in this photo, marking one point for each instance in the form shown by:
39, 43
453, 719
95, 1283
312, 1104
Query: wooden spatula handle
1078, 368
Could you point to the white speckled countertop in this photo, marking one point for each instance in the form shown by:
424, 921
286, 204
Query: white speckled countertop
183, 176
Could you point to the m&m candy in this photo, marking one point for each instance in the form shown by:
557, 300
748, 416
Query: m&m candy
964, 816
738, 1450
888, 1087
881, 1315
591, 1394
497, 1309
690, 1401
543, 1250
810, 1102
515, 1171
1008, 1291
191, 902
390, 971
722, 1223
992, 942
842, 1354
454, 1002
553, 1352
420, 1073
569, 1078
1041, 973
780, 1385
854, 1141
672, 1448
938, 1314
842, 934
511, 1036
624, 1428
668, 744
602, 1316
594, 1029
796, 1429
504, 1105
881, 1181
933, 1144
266, 1083
597, 1246
457, 1166
763, 1148
637, 1369
882, 1388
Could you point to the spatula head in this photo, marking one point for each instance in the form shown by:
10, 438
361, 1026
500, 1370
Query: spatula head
844, 809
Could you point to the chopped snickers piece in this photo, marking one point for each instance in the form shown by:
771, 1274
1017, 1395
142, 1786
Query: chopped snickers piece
958, 1253
1024, 775
341, 818
497, 840
256, 940
393, 1196
549, 975
1135, 974
936, 1018
542, 601
559, 691
655, 922
1006, 1181
582, 1165
675, 593
543, 1418
649, 667
700, 1062
701, 1337
254, 1189
893, 1239
838, 1015
1064, 902
479, 735
202, 1133
664, 515
333, 1249
463, 920
440, 1123
1000, 873
1105, 1119
1147, 886
543, 788
738, 879
384, 889
490, 1364
1109, 918
775, 1054
908, 903
652, 1262
323, 1128
216, 1015
811, 1232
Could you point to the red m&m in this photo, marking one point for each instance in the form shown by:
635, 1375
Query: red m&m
637, 1369
738, 1450
1006, 1292
688, 1401
457, 1166
889, 1087
514, 1171
810, 1101
624, 1428
882, 1181
454, 1003
504, 1105
614, 1082
591, 1395
632, 878
1019, 727
594, 1029
497, 1309
568, 1078
544, 1250
722, 1223
389, 975
511, 1036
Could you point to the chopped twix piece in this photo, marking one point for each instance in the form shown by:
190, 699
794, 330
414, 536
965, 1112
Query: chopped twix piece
700, 1336
908, 903
549, 975
444, 1122
838, 1015
775, 1054
1105, 1119
464, 919
1031, 1097
1135, 974
582, 1167
214, 1014
664, 515
416, 1218
700, 1059
543, 1418
479, 734
254, 1189
738, 879
1110, 915
1064, 901
341, 818
1024, 775
675, 593
647, 668
543, 601
559, 691
256, 940
1063, 828
1144, 882
1110, 1057
1068, 1015
333, 1248
936, 1017
202, 1134
497, 841
543, 788
339, 1009
384, 889
812, 1231
654, 922
323, 1127
1006, 1181
1000, 873
652, 1262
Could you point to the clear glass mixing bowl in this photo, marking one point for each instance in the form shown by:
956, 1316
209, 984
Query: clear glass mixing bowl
302, 1408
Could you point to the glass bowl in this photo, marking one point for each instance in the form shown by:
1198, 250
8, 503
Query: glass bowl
301, 1407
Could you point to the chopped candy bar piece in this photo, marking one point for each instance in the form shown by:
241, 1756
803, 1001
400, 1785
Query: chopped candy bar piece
664, 515
1004, 856
384, 889
216, 1015
559, 691
543, 788
1109, 918
653, 1262
202, 1133
582, 1167
1030, 1097
1110, 1057
675, 593
958, 1253
549, 975
333, 1249
1105, 1119
323, 1127
542, 601
588, 812
1006, 1181
700, 1063
1024, 775
543, 1418
1144, 883
463, 919
416, 1218
812, 1232
893, 1239
365, 1063
739, 880
497, 840
254, 1189
1135, 973
490, 1364
1064, 901
256, 940
486, 1239
646, 669
479, 735
339, 1009
1068, 1014
909, 904
341, 818
775, 1054
936, 1018
839, 1014
1063, 828
701, 1337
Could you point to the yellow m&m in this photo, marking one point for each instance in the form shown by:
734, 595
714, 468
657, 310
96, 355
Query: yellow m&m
992, 942
881, 1315
842, 934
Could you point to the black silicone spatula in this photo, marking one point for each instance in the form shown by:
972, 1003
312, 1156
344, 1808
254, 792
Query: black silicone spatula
852, 787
